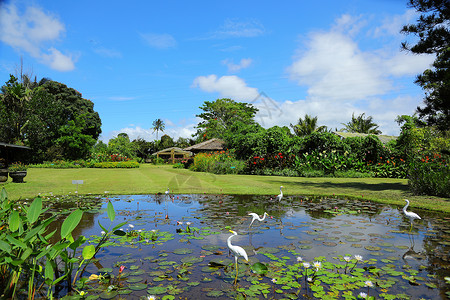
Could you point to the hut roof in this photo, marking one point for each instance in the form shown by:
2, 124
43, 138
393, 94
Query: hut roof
209, 145
175, 150
383, 138
5, 145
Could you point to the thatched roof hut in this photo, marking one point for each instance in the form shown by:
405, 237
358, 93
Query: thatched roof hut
207, 146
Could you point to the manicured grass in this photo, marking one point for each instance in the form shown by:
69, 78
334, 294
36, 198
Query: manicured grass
150, 179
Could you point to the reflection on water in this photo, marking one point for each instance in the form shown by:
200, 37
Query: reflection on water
310, 227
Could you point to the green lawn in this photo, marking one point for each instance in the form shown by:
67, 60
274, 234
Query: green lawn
149, 179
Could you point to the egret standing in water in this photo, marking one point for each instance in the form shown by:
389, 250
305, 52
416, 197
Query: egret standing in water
410, 215
237, 251
167, 192
280, 196
256, 217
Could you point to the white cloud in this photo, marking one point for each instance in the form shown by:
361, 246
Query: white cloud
159, 41
392, 25
232, 67
58, 61
333, 67
227, 86
31, 31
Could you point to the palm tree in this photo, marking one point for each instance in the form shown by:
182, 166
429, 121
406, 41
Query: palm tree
361, 124
158, 125
307, 126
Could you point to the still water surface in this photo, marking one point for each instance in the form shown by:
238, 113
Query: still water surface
198, 265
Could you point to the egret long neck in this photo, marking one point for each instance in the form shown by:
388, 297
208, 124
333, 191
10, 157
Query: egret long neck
229, 241
406, 206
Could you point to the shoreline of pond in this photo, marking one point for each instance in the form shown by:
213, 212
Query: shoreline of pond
150, 179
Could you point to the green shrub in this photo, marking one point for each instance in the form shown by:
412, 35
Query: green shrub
61, 164
221, 162
120, 164
430, 175
178, 166
352, 174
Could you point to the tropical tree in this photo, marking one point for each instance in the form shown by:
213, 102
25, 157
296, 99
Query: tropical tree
220, 115
37, 114
158, 125
361, 124
307, 126
433, 32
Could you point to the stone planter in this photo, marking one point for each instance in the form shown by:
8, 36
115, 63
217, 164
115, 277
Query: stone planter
3, 175
18, 176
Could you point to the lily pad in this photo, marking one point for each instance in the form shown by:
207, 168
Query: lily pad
192, 259
181, 251
109, 295
271, 250
137, 286
259, 268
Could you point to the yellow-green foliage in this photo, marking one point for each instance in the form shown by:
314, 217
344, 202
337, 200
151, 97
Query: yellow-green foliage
117, 164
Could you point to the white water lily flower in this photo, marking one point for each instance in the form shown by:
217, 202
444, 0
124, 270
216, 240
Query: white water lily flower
363, 295
306, 265
102, 232
347, 258
131, 225
309, 279
299, 259
358, 257
151, 297
368, 283
317, 265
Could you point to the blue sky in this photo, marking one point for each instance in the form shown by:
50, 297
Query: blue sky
143, 60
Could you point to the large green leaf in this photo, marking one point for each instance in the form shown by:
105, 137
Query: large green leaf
49, 272
16, 242
111, 212
14, 221
4, 246
34, 210
88, 252
3, 195
70, 223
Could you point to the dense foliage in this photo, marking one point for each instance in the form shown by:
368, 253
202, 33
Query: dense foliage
433, 32
49, 117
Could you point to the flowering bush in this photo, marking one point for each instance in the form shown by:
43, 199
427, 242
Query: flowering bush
271, 164
18, 166
429, 173
105, 157
220, 162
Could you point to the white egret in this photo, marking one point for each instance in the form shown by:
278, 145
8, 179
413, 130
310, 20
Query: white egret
280, 196
237, 251
167, 192
409, 214
256, 217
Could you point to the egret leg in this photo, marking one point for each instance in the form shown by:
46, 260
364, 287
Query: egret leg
235, 279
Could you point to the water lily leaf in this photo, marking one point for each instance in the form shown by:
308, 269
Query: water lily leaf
134, 279
271, 250
214, 293
108, 295
156, 290
137, 286
259, 268
191, 259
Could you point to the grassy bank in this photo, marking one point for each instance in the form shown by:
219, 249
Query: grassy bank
150, 179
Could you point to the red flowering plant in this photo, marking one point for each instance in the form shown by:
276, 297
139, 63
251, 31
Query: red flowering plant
429, 173
269, 163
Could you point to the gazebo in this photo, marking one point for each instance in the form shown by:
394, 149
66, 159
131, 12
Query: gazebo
207, 146
173, 153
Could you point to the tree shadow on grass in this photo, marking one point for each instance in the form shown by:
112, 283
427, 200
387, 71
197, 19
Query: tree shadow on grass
352, 185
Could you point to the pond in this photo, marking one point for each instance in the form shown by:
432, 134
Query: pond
176, 248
